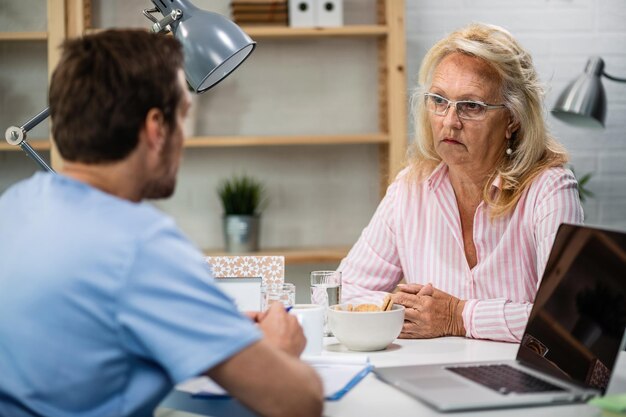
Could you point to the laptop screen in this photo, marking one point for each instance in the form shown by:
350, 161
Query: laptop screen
575, 329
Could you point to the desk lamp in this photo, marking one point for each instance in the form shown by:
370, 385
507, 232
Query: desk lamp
583, 102
213, 48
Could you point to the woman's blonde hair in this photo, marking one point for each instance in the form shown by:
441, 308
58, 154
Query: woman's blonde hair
534, 148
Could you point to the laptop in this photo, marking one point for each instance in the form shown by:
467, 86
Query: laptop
574, 334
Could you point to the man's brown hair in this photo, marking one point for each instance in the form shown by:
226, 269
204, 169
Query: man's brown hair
103, 88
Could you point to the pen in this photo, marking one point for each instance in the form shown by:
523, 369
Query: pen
288, 309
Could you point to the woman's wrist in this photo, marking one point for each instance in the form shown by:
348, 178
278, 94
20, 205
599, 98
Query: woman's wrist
456, 327
459, 315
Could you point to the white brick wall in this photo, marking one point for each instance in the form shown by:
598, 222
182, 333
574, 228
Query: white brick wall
561, 35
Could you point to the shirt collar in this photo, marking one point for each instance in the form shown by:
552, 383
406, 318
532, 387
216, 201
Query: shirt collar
438, 174
441, 171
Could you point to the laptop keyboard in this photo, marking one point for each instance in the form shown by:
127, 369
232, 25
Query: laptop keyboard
504, 379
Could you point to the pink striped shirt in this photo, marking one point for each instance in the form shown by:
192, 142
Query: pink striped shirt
416, 234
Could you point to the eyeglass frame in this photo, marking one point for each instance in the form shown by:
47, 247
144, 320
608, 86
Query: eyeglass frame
484, 105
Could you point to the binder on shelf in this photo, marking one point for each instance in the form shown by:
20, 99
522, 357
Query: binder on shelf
302, 13
329, 13
339, 374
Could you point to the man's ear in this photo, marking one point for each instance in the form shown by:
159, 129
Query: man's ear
155, 129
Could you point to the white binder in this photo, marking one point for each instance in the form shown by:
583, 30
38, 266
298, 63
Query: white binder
329, 13
302, 13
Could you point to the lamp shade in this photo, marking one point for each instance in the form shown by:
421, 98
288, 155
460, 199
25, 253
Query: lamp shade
583, 102
213, 45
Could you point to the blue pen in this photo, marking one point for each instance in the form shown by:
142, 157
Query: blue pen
288, 309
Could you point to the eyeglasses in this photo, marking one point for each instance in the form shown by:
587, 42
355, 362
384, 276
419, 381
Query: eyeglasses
465, 109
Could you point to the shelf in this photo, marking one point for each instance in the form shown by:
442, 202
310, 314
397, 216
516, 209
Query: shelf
36, 144
23, 36
289, 32
314, 32
228, 141
295, 256
234, 141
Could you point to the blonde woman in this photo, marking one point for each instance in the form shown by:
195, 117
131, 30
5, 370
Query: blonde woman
470, 221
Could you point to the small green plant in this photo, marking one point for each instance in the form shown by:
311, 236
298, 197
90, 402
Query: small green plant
583, 191
241, 195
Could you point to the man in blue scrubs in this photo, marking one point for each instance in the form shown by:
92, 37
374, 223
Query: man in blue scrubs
104, 303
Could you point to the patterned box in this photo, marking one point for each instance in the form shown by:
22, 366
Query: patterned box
271, 269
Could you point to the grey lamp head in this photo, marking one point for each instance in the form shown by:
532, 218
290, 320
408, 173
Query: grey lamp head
583, 102
213, 45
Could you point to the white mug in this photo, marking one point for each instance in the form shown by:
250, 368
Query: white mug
311, 318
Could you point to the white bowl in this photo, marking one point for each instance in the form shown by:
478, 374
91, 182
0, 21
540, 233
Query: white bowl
365, 331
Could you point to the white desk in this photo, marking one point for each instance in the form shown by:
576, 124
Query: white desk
373, 398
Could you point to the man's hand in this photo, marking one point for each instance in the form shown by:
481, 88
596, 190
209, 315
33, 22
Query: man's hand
429, 312
255, 316
281, 329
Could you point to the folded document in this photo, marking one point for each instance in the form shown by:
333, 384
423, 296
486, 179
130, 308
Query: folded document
338, 373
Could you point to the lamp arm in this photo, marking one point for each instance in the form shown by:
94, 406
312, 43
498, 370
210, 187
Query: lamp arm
162, 25
610, 77
17, 136
148, 13
224, 46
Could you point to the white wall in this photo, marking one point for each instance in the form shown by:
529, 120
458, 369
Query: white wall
561, 35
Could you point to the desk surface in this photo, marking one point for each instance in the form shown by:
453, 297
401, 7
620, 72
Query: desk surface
374, 398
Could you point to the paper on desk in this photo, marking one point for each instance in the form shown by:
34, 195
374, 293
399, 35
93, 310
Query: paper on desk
338, 373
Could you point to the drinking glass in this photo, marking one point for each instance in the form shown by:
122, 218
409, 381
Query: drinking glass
326, 291
278, 293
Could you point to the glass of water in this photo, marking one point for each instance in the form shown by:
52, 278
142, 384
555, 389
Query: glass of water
326, 291
278, 293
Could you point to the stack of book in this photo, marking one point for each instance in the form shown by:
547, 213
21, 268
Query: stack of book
260, 12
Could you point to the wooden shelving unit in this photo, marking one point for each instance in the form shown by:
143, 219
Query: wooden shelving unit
53, 37
68, 18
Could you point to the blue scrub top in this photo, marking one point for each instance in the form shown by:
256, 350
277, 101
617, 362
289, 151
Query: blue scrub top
104, 304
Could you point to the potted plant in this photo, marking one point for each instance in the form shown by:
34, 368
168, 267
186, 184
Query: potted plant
583, 192
241, 198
